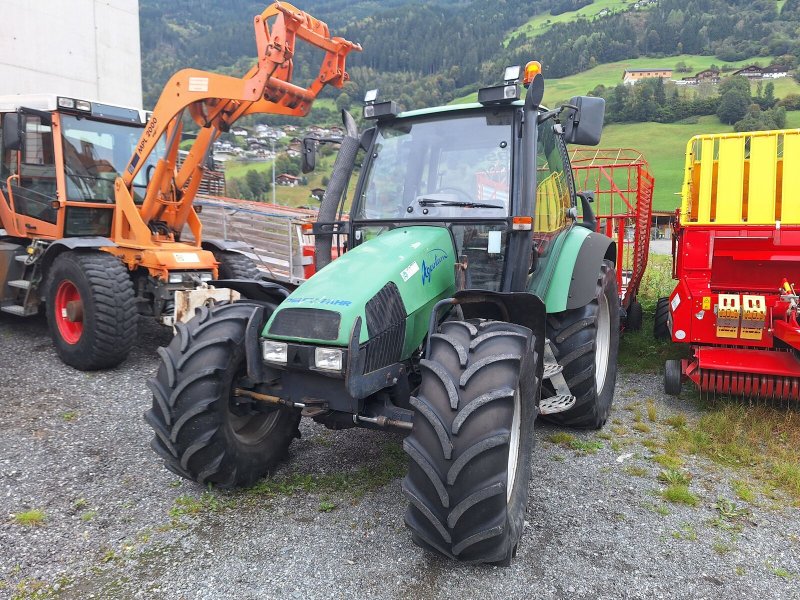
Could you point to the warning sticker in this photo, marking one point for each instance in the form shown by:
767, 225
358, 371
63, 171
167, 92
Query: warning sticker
198, 84
676, 302
409, 271
186, 257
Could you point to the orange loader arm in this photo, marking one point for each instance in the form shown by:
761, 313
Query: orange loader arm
215, 102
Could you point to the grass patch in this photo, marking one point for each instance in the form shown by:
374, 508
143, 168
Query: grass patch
743, 491
326, 506
652, 414
69, 416
642, 427
668, 460
674, 477
587, 446
780, 572
721, 548
636, 471
562, 438
191, 505
88, 516
676, 421
686, 532
680, 494
391, 465
30, 518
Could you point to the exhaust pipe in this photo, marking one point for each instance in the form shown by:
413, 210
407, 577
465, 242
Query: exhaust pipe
342, 170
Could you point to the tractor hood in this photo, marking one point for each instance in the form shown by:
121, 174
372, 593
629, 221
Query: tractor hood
391, 282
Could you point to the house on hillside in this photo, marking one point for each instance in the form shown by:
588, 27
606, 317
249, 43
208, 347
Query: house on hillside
632, 76
756, 72
287, 180
708, 76
318, 193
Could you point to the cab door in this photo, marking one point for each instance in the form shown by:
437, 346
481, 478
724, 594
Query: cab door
29, 173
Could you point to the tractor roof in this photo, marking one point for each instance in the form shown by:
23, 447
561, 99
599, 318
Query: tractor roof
448, 108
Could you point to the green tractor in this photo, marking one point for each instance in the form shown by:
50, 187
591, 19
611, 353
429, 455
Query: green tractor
471, 299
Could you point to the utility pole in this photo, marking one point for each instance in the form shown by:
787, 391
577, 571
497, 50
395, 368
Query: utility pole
274, 160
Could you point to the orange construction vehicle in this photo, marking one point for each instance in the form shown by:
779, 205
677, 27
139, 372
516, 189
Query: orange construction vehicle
93, 204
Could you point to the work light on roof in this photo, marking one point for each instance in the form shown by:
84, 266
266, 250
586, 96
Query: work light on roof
511, 74
371, 96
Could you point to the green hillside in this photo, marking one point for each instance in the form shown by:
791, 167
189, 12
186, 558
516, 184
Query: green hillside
544, 21
664, 147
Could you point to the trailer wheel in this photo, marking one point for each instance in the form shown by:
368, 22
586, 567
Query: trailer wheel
586, 344
233, 265
204, 432
633, 322
471, 444
673, 377
91, 311
661, 322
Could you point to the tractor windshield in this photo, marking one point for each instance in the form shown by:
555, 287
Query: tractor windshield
95, 153
441, 169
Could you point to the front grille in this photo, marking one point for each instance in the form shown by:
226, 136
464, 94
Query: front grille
386, 324
307, 323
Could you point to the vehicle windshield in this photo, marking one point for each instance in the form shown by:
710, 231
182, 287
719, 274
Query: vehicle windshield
453, 168
95, 153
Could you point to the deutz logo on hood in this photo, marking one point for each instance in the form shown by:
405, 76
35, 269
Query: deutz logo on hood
437, 257
323, 300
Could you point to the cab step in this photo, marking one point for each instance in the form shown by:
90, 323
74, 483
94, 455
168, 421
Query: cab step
19, 311
556, 404
21, 258
551, 370
22, 284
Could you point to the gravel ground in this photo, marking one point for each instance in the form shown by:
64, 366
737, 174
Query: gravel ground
74, 445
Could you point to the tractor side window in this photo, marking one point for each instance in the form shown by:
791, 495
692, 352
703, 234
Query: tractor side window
35, 189
553, 197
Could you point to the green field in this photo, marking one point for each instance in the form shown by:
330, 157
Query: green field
544, 21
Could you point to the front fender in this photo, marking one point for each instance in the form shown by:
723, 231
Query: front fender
574, 269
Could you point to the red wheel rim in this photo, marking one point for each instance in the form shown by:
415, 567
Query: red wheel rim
70, 331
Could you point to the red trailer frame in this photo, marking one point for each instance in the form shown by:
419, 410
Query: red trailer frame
622, 184
736, 254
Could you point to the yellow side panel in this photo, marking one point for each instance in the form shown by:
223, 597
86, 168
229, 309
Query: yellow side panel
763, 173
730, 180
791, 179
706, 181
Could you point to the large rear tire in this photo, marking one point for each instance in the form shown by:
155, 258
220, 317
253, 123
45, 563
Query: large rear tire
586, 344
661, 320
91, 310
233, 265
472, 440
202, 430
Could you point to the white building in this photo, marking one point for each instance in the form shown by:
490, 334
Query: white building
86, 49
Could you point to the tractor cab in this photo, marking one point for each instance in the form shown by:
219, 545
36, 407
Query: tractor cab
62, 152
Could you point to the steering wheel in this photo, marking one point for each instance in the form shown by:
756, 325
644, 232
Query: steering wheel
463, 193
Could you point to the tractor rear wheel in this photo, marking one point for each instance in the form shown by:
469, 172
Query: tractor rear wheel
471, 444
203, 431
586, 343
233, 265
661, 320
91, 310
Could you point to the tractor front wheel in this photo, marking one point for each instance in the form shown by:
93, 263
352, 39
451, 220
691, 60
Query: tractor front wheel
586, 344
91, 311
203, 430
661, 320
233, 265
471, 443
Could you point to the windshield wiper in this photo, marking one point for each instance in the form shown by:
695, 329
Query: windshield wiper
459, 203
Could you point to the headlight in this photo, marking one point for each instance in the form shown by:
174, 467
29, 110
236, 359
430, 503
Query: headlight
274, 351
206, 277
329, 359
176, 277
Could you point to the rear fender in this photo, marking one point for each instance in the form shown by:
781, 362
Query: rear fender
574, 280
225, 245
58, 247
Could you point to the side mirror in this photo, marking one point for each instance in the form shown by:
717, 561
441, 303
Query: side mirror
308, 157
583, 120
12, 132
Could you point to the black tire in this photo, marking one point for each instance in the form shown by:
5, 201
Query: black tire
673, 377
633, 322
574, 335
106, 332
661, 320
198, 432
233, 265
462, 436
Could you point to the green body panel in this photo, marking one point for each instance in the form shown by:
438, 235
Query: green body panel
420, 260
552, 279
